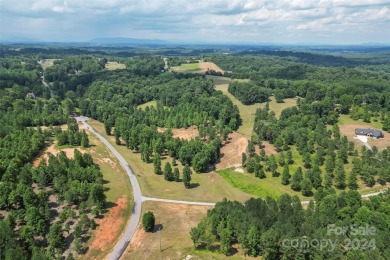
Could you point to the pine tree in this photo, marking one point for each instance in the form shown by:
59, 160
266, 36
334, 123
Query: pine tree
257, 170
282, 159
340, 175
290, 159
176, 175
187, 176
297, 179
168, 175
316, 177
250, 164
243, 160
157, 163
262, 174
251, 149
306, 187
352, 181
286, 175
328, 180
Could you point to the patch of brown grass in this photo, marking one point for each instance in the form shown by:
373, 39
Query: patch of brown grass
204, 66
175, 221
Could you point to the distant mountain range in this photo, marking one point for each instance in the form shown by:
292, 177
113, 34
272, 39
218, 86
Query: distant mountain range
121, 40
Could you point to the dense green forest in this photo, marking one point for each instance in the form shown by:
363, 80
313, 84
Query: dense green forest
326, 88
335, 227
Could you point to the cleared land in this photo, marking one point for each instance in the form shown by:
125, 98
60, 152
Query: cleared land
208, 187
152, 103
248, 112
118, 192
200, 67
348, 126
205, 66
175, 222
47, 63
113, 65
183, 133
187, 68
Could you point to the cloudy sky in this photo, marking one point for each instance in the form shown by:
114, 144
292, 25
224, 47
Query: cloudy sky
232, 21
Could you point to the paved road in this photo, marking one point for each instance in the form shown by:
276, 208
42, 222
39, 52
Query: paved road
179, 201
138, 198
135, 216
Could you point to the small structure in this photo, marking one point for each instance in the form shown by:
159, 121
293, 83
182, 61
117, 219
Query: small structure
369, 132
30, 95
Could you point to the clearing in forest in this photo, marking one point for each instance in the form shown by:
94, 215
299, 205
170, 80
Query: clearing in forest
152, 103
208, 187
248, 112
205, 66
46, 63
113, 65
174, 222
347, 127
182, 133
187, 68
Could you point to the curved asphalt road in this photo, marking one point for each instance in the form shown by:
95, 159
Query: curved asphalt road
135, 216
138, 198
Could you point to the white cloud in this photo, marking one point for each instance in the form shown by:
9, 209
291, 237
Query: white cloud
247, 20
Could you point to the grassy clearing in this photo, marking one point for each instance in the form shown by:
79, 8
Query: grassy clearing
152, 103
347, 128
175, 222
188, 67
247, 112
210, 187
262, 188
47, 63
117, 186
113, 65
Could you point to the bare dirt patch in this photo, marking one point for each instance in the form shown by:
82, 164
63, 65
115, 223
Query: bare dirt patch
349, 131
53, 150
109, 226
182, 133
205, 66
231, 151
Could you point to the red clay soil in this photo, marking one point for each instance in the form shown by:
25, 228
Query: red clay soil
109, 226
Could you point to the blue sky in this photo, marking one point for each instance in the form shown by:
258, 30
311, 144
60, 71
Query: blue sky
255, 21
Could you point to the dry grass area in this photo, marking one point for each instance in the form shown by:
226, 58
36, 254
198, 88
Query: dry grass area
113, 65
232, 150
205, 66
348, 129
175, 221
182, 133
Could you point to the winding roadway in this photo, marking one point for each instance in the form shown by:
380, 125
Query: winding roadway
138, 198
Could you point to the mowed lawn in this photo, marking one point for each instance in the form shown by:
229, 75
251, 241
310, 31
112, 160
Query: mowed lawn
248, 112
208, 187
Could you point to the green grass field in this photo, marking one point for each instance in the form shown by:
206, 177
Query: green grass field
209, 187
247, 112
346, 119
262, 188
187, 67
